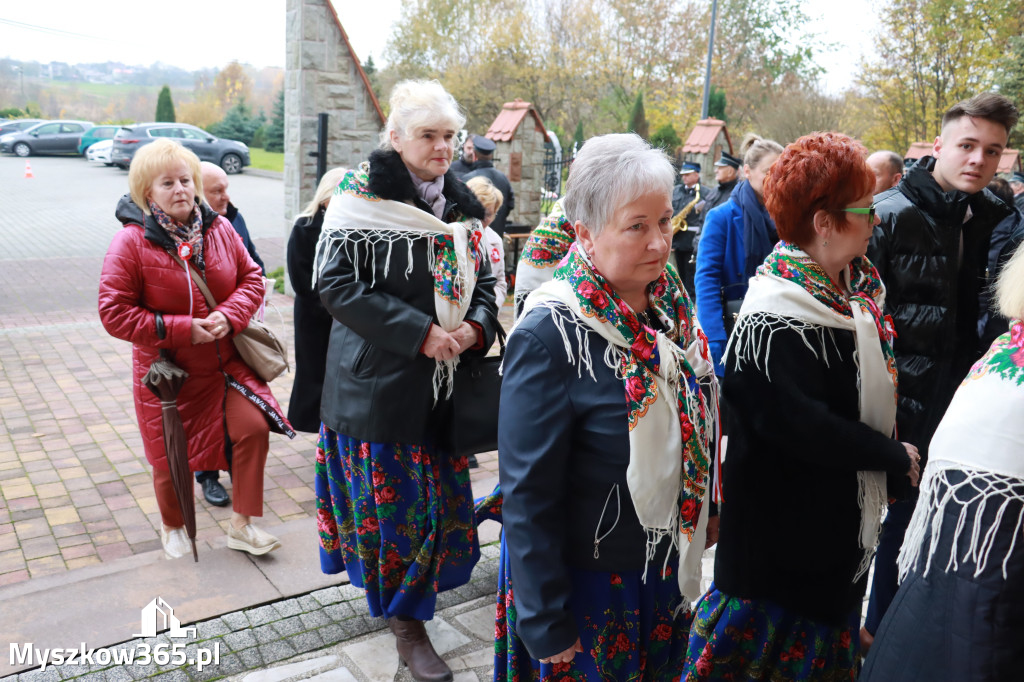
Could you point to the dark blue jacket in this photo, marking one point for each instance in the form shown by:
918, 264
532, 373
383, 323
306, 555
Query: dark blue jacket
564, 446
238, 222
720, 263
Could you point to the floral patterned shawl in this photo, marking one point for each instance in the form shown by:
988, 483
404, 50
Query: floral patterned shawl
981, 436
358, 219
546, 246
671, 421
790, 290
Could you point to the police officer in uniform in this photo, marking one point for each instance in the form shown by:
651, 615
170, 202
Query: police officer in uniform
484, 167
688, 198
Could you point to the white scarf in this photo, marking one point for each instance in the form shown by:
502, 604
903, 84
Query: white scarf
358, 220
771, 301
982, 436
655, 443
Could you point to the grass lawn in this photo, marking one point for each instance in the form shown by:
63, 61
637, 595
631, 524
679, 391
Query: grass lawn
262, 159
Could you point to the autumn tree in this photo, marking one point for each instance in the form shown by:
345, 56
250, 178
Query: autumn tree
1010, 78
164, 106
798, 111
232, 85
931, 54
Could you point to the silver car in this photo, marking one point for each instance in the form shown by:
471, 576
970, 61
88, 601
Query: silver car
230, 155
48, 137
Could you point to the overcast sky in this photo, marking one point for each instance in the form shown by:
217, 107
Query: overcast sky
193, 34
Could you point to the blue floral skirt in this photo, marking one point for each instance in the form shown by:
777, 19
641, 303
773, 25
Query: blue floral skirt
398, 518
744, 639
628, 629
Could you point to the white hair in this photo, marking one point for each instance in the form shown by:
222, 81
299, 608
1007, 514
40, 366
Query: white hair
419, 104
1010, 287
611, 171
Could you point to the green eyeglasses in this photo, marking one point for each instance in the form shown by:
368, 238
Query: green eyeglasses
869, 212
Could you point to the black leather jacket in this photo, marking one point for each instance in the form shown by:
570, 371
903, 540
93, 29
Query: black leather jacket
932, 289
378, 386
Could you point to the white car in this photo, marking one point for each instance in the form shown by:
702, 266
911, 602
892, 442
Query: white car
100, 152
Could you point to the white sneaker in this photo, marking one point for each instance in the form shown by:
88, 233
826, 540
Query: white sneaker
176, 542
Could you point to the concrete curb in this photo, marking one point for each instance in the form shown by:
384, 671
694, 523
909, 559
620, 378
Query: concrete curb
260, 173
255, 638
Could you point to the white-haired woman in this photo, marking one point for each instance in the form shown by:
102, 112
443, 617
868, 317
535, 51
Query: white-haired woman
605, 435
312, 321
959, 612
410, 290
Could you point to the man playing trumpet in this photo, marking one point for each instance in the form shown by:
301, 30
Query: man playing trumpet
687, 204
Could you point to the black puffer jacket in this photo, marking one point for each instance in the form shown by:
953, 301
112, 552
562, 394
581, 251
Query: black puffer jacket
378, 386
932, 289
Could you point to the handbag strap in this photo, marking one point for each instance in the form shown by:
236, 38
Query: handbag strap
210, 300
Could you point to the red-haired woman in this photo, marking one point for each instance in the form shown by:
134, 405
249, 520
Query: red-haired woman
811, 388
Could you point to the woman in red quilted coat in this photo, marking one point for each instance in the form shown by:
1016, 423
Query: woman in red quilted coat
148, 298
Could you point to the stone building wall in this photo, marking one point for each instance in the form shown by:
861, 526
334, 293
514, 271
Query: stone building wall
322, 74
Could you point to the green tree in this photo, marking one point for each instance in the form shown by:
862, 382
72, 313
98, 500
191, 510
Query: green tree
275, 129
717, 104
931, 54
164, 106
370, 69
238, 124
638, 119
667, 138
577, 137
1010, 78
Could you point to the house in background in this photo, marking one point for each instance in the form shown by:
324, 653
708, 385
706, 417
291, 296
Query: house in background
705, 144
519, 134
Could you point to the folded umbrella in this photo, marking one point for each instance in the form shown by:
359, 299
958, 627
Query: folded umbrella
165, 380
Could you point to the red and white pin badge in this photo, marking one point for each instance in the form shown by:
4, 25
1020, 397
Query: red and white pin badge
184, 250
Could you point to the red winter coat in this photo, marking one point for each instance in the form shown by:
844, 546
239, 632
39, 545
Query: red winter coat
140, 278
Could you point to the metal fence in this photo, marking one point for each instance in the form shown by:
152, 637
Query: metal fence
556, 170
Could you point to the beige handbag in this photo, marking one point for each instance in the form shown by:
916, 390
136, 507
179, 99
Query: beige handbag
259, 347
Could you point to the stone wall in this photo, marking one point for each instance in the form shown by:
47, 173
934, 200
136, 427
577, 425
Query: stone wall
528, 147
321, 75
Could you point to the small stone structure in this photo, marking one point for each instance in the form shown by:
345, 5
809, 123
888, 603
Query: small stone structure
322, 75
520, 134
705, 145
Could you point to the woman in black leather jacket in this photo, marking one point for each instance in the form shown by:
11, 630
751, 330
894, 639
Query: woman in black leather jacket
604, 437
410, 290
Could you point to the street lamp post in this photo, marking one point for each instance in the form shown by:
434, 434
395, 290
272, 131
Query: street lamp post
707, 71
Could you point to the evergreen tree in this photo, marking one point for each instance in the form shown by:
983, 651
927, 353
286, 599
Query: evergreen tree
164, 106
239, 123
666, 138
716, 104
371, 73
275, 131
638, 119
577, 137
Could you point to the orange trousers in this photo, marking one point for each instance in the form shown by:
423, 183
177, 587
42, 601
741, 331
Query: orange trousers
250, 441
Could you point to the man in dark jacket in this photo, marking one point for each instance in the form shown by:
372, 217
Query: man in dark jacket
467, 162
727, 170
1017, 185
688, 199
215, 190
931, 248
484, 167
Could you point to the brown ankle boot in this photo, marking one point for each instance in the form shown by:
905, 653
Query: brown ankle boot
416, 651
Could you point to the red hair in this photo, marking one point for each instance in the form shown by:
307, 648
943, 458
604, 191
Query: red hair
820, 171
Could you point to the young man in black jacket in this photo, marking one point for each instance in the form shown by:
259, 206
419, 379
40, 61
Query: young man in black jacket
931, 249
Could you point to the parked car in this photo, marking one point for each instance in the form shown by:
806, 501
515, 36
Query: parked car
15, 125
96, 134
230, 155
99, 152
48, 137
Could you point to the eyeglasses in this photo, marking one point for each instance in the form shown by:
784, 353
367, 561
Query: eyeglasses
869, 212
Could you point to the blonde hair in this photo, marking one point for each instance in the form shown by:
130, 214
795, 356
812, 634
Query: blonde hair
418, 104
328, 183
1010, 287
155, 158
754, 148
489, 195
